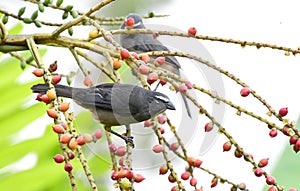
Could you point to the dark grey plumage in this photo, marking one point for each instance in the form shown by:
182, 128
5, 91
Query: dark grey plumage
146, 43
115, 104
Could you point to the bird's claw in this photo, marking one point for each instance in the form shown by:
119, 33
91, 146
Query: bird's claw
129, 140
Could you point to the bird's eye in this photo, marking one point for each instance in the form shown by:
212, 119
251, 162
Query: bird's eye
162, 98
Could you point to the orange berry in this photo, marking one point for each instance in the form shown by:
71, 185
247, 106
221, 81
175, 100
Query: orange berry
117, 64
38, 72
65, 138
88, 82
93, 33
52, 113
64, 106
51, 94
72, 144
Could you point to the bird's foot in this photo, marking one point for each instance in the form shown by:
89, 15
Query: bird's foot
129, 140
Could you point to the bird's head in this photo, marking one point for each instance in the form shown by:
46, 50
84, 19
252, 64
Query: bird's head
158, 103
133, 21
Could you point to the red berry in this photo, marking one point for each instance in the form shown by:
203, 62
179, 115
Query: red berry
148, 123
197, 163
59, 158
258, 172
80, 140
88, 82
121, 151
38, 72
157, 148
191, 161
122, 172
98, 133
124, 54
138, 178
114, 175
185, 175
189, 85
162, 119
193, 181
112, 147
129, 22
39, 97
297, 143
293, 189
227, 146
163, 169
208, 127
214, 182
293, 140
263, 162
53, 67
270, 180
52, 113
273, 133
162, 130
296, 148
192, 31
160, 60
283, 111
129, 174
88, 138
272, 188
182, 88
135, 55
237, 154
245, 92
45, 99
162, 80
285, 130
175, 188
68, 167
145, 57
174, 146
71, 154
65, 138
56, 79
143, 69
171, 178
242, 186
152, 77
58, 128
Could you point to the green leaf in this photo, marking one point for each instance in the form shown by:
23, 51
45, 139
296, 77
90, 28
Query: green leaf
21, 11
47, 2
70, 31
74, 14
34, 15
41, 7
69, 8
27, 20
4, 19
65, 15
38, 24
59, 2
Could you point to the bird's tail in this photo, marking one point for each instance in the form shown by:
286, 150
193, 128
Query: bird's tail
61, 90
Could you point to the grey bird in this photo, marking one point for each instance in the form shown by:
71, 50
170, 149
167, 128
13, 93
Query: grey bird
146, 43
114, 103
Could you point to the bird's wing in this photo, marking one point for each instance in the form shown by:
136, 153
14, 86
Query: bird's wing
147, 43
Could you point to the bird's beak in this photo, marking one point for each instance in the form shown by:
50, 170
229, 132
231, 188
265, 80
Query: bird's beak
170, 106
